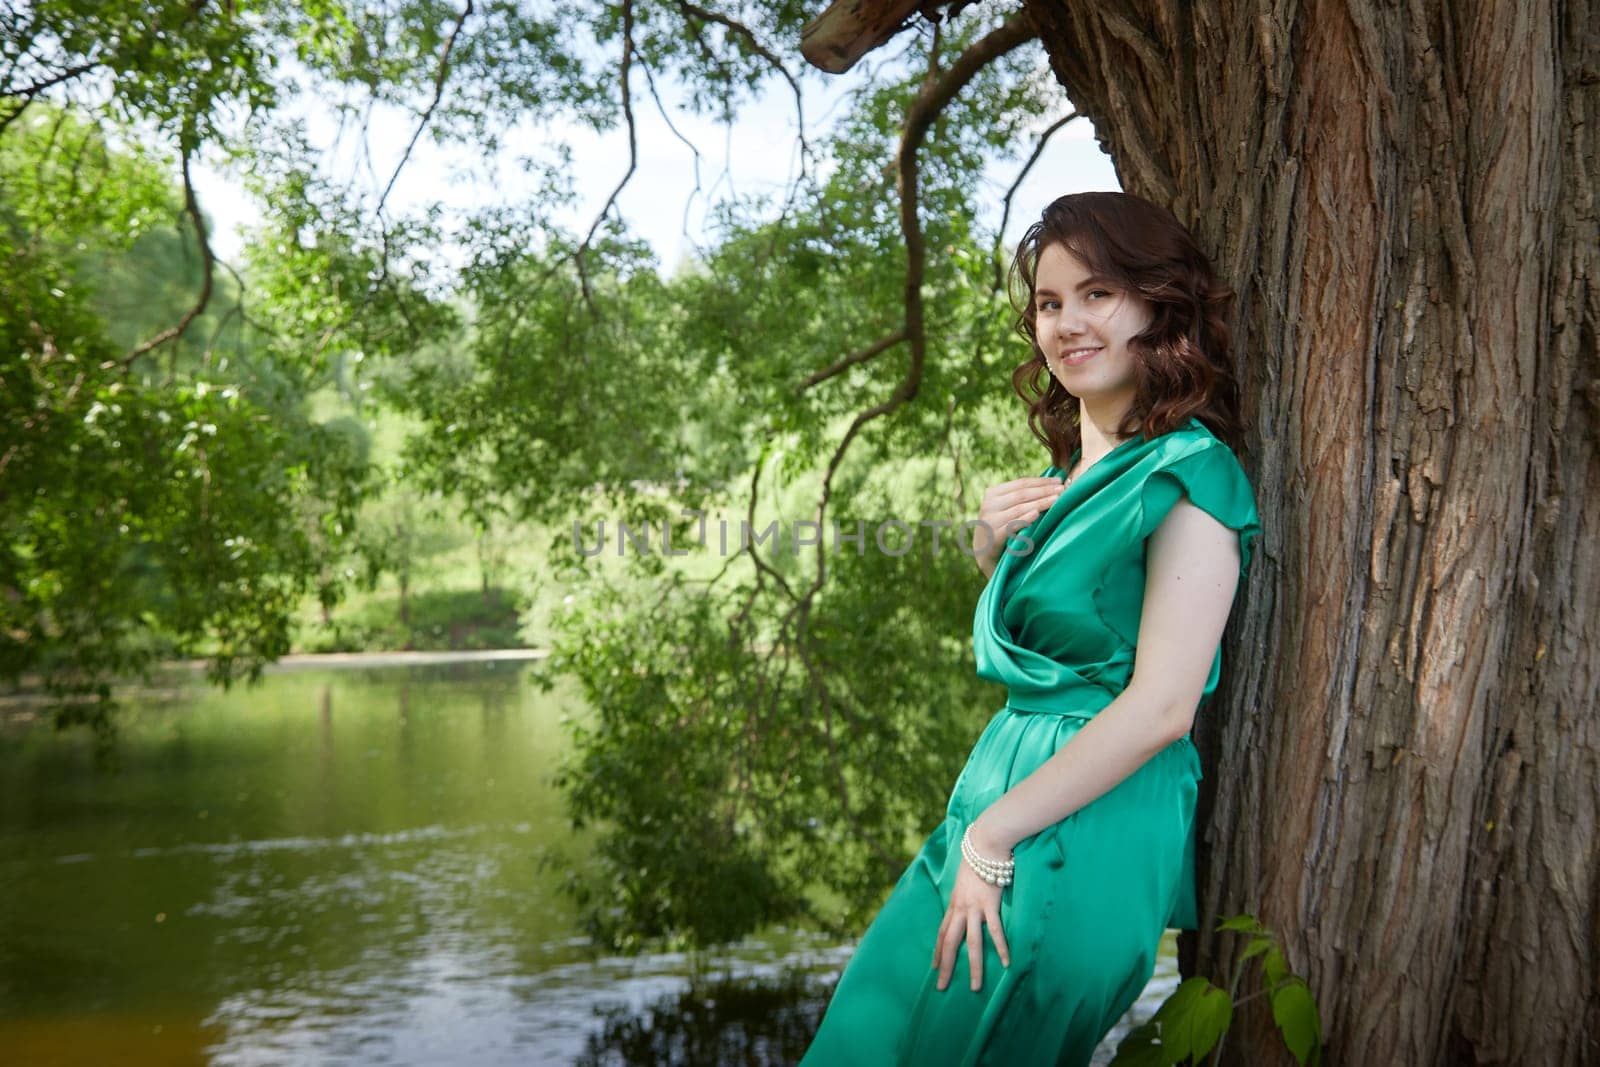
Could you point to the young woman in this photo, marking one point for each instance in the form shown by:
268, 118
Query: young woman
1031, 918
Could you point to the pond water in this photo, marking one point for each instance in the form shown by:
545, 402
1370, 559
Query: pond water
337, 866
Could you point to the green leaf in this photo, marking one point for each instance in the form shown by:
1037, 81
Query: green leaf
1256, 947
1295, 1012
1141, 1048
1193, 1018
1273, 966
1244, 924
1188, 1024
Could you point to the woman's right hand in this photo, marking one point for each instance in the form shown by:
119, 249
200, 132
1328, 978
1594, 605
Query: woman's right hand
1006, 508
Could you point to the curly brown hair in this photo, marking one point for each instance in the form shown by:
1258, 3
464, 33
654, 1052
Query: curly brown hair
1184, 367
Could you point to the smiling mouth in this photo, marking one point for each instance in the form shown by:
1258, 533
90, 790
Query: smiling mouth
1079, 356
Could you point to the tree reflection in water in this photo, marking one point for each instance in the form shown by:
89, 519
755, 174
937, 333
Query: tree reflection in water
750, 1020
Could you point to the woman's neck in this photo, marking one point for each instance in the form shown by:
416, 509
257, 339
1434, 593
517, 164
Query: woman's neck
1098, 432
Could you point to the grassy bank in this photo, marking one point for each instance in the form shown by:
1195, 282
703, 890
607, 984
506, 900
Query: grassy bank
435, 620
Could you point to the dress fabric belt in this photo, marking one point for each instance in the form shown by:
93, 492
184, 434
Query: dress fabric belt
1066, 707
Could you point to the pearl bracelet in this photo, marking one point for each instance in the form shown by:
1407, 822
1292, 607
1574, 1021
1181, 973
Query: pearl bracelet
995, 872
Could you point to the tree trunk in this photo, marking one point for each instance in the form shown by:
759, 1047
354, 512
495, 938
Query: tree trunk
1401, 767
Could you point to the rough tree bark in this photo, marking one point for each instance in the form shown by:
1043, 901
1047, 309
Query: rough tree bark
1402, 765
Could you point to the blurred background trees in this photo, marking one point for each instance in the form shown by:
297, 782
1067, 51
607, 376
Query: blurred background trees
211, 458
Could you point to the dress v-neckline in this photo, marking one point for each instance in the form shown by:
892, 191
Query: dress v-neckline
1078, 453
1026, 560
1006, 573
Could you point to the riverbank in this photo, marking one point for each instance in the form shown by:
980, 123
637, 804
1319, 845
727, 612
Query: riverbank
165, 678
299, 661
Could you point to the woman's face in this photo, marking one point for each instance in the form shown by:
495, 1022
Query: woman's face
1083, 325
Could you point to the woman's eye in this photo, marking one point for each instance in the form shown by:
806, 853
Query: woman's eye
1098, 292
1046, 305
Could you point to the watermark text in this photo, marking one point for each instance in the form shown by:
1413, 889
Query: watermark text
890, 537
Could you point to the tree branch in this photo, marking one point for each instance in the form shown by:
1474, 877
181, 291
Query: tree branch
935, 94
765, 53
650, 83
207, 262
806, 153
933, 98
439, 78
1022, 175
35, 89
836, 39
633, 154
871, 352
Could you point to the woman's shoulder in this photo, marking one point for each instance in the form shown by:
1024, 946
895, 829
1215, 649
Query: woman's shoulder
1193, 436
1195, 446
1194, 462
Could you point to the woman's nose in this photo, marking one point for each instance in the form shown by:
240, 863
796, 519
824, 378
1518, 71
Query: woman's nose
1069, 323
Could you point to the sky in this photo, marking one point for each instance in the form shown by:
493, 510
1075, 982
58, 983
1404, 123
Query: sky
759, 153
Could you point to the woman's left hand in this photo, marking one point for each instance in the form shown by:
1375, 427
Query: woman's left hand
974, 904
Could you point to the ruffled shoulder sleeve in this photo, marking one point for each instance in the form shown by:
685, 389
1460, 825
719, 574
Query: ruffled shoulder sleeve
1060, 625
1205, 470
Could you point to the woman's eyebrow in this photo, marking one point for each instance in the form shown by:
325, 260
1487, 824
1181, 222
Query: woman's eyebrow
1045, 290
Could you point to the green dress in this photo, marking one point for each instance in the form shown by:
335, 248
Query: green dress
1056, 625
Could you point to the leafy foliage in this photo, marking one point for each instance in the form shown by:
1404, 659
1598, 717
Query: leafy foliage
1191, 1023
771, 731
774, 741
149, 509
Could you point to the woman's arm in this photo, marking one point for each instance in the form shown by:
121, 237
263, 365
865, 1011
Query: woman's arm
1191, 575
